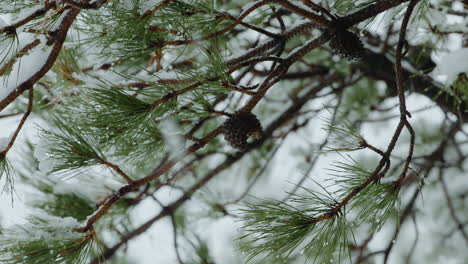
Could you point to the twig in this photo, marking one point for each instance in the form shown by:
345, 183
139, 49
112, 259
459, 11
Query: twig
20, 54
86, 5
220, 32
20, 125
176, 246
10, 115
11, 29
305, 13
195, 85
415, 241
157, 7
116, 169
58, 40
453, 211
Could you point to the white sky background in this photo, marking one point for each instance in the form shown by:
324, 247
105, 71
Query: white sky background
156, 245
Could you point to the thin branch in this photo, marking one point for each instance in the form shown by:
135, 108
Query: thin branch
249, 26
220, 32
305, 13
10, 115
176, 244
410, 152
116, 169
398, 57
192, 87
106, 205
20, 125
20, 54
277, 73
86, 5
319, 8
11, 29
258, 51
157, 7
58, 40
314, 161
453, 211
415, 241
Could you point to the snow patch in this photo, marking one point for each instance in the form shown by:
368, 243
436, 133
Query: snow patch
451, 65
46, 163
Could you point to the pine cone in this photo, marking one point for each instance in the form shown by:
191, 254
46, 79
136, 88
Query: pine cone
347, 45
239, 127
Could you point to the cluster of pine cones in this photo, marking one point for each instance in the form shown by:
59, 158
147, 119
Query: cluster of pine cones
238, 128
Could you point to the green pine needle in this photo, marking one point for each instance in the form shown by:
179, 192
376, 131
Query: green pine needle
70, 148
66, 204
343, 134
375, 204
5, 171
279, 229
46, 240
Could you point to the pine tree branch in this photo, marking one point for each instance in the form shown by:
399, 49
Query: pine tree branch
377, 174
425, 170
11, 29
364, 144
192, 87
116, 169
106, 205
57, 41
313, 72
377, 66
237, 88
282, 119
400, 87
369, 12
349, 20
253, 93
274, 77
249, 26
258, 51
410, 152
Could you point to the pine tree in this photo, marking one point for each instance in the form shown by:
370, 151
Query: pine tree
199, 107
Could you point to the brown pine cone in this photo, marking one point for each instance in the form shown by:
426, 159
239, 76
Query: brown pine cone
347, 45
239, 127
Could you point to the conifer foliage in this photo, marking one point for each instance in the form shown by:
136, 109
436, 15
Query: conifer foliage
110, 107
